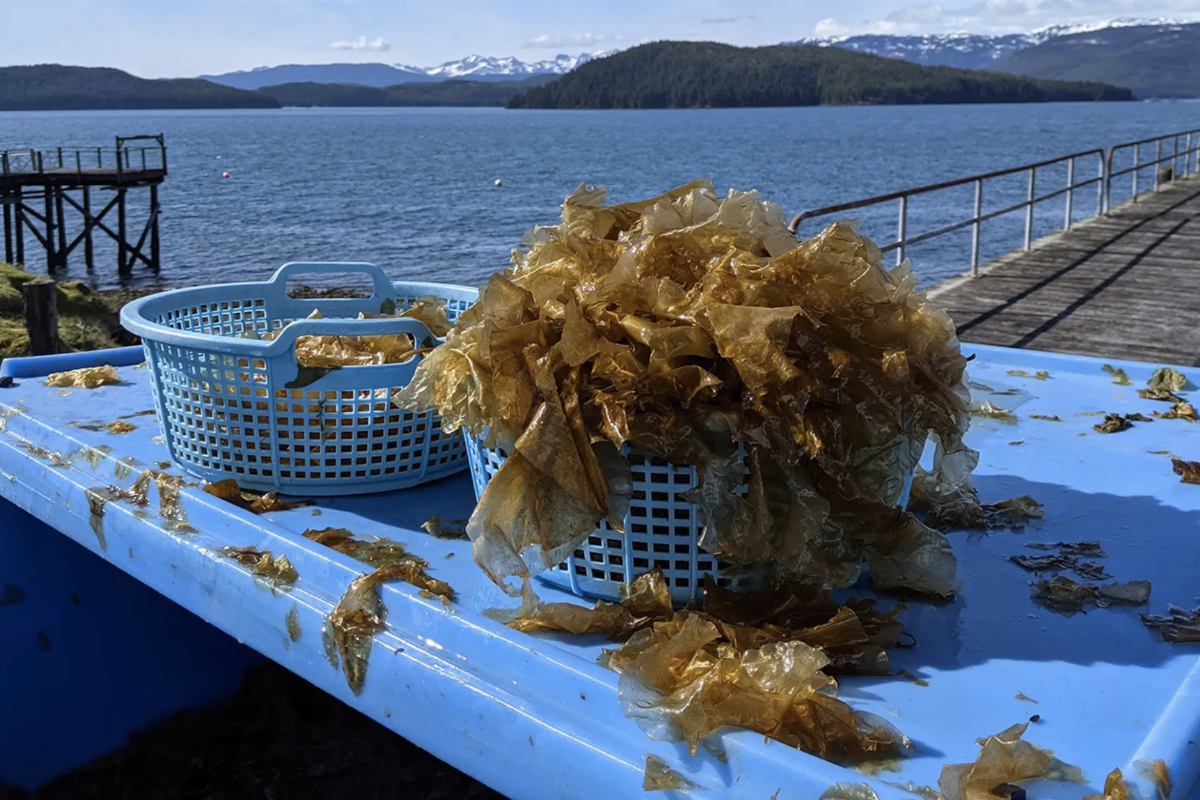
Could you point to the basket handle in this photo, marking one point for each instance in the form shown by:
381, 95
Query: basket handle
383, 287
286, 340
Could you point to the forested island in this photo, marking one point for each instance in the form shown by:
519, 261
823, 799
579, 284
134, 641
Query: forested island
52, 87
441, 93
712, 75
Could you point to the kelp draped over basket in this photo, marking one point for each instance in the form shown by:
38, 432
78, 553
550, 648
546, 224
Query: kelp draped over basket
699, 330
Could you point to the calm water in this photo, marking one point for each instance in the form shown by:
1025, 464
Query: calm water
412, 189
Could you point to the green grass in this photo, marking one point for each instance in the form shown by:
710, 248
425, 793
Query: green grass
86, 320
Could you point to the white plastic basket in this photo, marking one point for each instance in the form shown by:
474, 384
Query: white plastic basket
238, 407
662, 530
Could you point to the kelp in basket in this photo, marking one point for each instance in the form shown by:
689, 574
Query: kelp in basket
697, 329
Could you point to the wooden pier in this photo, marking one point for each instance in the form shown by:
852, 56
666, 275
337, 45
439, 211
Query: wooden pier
38, 186
1124, 285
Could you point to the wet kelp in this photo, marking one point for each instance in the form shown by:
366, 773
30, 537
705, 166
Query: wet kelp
761, 661
1003, 759
697, 329
84, 378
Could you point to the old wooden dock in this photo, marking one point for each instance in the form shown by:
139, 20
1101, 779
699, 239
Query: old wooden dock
1124, 285
41, 190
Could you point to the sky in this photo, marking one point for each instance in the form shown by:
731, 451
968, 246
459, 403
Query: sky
184, 38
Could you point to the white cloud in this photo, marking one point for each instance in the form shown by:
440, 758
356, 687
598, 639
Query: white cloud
726, 20
1004, 16
362, 43
548, 41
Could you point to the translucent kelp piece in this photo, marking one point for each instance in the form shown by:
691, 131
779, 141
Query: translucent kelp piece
1113, 423
261, 562
1114, 788
1118, 375
1188, 471
661, 778
271, 502
1168, 380
1159, 394
1179, 626
440, 528
431, 312
1003, 758
85, 378
120, 426
644, 602
988, 410
1011, 513
377, 553
1181, 410
1063, 594
331, 352
1072, 549
229, 491
1133, 593
1157, 772
849, 791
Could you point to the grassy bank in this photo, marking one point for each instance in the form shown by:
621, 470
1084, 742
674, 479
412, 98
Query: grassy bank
87, 320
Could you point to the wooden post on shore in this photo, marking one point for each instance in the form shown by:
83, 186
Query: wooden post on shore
8, 241
41, 316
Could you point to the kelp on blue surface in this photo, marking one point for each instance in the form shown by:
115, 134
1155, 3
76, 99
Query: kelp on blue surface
697, 329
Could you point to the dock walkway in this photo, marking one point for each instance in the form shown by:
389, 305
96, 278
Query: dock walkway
1125, 285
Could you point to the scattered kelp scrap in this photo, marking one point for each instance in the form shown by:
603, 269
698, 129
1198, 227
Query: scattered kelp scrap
1138, 418
1066, 596
56, 459
696, 328
1167, 379
359, 614
1185, 411
1159, 394
1180, 626
1020, 373
989, 411
1091, 571
1188, 471
749, 660
961, 509
849, 791
440, 528
293, 624
1046, 417
1003, 758
1114, 788
1157, 773
1113, 423
1042, 563
383, 554
1026, 698
86, 378
260, 562
120, 426
645, 601
1118, 375
1068, 557
912, 678
229, 491
1073, 549
661, 778
923, 792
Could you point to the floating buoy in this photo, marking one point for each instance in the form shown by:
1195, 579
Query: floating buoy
224, 174
499, 182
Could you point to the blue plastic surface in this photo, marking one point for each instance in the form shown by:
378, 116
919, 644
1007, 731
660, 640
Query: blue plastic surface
89, 654
235, 405
535, 717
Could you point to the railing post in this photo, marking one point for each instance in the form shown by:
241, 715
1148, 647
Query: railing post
143, 159
1157, 162
1070, 191
4, 163
99, 160
1029, 209
78, 163
1104, 184
60, 164
1137, 167
903, 229
1187, 155
976, 229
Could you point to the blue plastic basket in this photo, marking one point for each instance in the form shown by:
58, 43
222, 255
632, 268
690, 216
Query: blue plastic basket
662, 530
238, 407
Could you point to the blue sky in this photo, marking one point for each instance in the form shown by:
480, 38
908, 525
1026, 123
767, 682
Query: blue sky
168, 38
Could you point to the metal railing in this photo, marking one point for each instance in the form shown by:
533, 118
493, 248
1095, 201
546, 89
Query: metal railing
1190, 155
1102, 179
121, 159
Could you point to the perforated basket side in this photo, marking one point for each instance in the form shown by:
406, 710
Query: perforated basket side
662, 531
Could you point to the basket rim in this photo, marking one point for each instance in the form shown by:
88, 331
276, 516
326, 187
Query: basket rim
135, 317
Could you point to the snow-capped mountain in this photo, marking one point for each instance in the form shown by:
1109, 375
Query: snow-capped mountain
972, 50
476, 68
485, 66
